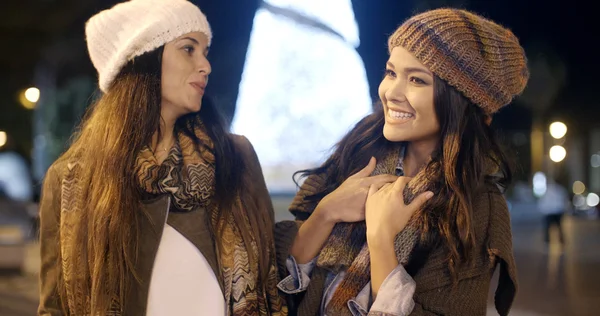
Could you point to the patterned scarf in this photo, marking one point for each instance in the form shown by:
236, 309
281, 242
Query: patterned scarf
346, 247
188, 175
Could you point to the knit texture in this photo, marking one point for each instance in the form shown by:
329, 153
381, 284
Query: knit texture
346, 248
435, 293
478, 57
130, 29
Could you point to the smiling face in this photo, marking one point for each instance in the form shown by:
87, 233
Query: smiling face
406, 94
185, 70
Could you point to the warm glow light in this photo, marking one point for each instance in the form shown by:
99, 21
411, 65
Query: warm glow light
578, 187
558, 130
558, 153
3, 138
29, 97
32, 95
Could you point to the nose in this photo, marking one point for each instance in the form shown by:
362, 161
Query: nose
204, 66
396, 91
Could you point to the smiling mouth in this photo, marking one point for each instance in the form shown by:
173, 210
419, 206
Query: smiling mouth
398, 116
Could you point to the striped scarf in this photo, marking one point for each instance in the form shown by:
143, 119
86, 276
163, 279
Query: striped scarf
347, 249
188, 175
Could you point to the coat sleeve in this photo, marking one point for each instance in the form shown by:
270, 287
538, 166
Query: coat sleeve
437, 295
50, 270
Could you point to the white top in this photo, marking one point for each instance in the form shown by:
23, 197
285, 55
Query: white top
183, 283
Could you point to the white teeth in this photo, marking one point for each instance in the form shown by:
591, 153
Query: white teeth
399, 115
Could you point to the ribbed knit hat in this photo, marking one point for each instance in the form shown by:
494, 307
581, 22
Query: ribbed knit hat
478, 57
130, 29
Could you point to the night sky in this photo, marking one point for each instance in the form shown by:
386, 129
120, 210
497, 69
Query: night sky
562, 34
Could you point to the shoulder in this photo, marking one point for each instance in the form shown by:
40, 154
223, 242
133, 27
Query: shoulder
59, 175
489, 206
492, 226
56, 172
242, 144
244, 147
491, 216
51, 195
250, 159
239, 140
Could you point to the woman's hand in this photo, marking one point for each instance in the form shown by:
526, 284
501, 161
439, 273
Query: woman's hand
386, 213
347, 202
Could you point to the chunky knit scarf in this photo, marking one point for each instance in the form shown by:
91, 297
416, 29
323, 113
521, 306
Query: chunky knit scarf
188, 175
346, 247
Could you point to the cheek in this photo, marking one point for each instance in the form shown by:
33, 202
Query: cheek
382, 89
429, 111
171, 80
431, 108
167, 74
422, 102
167, 89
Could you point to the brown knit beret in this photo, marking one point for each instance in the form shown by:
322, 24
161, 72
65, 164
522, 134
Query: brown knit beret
478, 57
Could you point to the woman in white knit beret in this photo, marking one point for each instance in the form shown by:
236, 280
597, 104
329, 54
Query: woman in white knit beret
155, 209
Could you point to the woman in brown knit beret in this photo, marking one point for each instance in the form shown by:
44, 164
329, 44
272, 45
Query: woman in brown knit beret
422, 227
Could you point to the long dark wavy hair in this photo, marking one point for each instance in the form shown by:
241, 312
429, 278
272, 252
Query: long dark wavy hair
467, 155
116, 127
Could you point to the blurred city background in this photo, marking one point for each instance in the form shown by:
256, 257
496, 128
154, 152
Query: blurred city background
293, 76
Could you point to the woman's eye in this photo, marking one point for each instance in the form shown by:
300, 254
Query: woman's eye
390, 73
417, 80
188, 49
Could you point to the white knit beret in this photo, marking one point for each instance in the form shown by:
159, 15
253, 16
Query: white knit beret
129, 29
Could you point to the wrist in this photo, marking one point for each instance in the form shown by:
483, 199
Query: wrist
379, 239
324, 215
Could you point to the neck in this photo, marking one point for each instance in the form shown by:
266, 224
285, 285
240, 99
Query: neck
417, 155
163, 138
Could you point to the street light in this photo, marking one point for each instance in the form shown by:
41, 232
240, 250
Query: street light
558, 130
32, 94
558, 153
29, 97
539, 184
595, 161
3, 138
578, 187
579, 200
593, 199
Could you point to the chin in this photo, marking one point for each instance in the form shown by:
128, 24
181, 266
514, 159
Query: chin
193, 108
392, 135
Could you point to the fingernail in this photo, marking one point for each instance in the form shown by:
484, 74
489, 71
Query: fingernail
429, 195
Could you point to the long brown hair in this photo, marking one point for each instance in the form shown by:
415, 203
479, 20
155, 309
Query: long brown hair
116, 127
467, 155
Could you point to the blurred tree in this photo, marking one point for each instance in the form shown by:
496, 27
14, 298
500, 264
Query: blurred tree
42, 36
